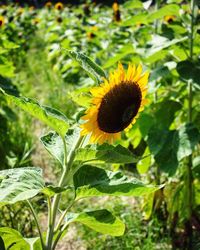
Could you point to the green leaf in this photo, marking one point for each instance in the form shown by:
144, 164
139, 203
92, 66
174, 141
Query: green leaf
8, 87
101, 221
133, 4
170, 147
54, 145
20, 184
51, 117
165, 114
105, 154
159, 43
93, 70
52, 190
81, 96
189, 70
188, 137
139, 18
2, 246
167, 10
159, 72
124, 51
7, 70
34, 243
13, 240
92, 181
163, 145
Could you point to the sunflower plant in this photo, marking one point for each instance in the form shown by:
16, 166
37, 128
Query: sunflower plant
83, 148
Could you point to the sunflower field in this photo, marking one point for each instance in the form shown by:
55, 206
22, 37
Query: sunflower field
100, 125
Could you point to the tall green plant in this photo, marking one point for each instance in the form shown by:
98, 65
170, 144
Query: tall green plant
82, 175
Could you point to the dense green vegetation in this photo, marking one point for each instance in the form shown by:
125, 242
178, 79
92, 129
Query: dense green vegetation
149, 179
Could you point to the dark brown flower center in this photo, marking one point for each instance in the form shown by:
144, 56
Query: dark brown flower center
1, 22
118, 107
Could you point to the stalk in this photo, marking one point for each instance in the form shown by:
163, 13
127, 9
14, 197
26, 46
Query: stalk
189, 176
68, 161
37, 223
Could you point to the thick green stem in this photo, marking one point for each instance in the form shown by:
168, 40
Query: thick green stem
189, 176
63, 180
37, 223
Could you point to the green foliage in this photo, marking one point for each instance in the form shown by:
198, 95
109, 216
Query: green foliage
13, 239
52, 117
158, 149
20, 184
88, 65
54, 144
105, 154
93, 181
100, 220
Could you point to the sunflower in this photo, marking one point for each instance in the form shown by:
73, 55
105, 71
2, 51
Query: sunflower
169, 19
48, 5
116, 12
59, 6
116, 104
2, 21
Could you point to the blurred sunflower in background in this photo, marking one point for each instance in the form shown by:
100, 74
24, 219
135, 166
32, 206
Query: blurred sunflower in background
48, 5
92, 33
116, 12
116, 104
169, 19
59, 6
115, 6
2, 21
20, 11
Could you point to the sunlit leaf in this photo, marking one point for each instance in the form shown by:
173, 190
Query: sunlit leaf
93, 70
54, 145
93, 181
124, 51
188, 137
13, 240
101, 221
133, 4
167, 10
20, 184
52, 190
105, 153
51, 117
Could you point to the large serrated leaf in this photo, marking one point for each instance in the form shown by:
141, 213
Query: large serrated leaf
51, 117
92, 181
101, 221
93, 70
20, 184
105, 154
13, 240
54, 145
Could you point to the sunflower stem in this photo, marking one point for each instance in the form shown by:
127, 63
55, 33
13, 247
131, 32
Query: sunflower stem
68, 161
189, 176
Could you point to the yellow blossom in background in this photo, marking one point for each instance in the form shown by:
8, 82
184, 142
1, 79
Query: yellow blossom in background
116, 104
59, 6
169, 19
36, 20
20, 11
94, 28
90, 35
2, 21
31, 8
48, 5
115, 6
